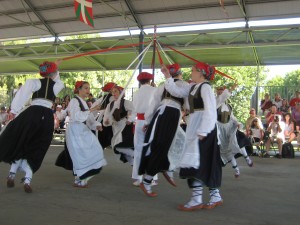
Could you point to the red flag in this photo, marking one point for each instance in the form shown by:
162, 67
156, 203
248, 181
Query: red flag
84, 11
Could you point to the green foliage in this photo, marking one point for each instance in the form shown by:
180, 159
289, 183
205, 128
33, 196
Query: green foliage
292, 78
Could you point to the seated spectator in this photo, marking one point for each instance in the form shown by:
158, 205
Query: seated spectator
289, 127
266, 104
284, 108
61, 115
277, 100
57, 101
257, 132
295, 100
250, 119
91, 99
3, 117
276, 130
271, 114
296, 114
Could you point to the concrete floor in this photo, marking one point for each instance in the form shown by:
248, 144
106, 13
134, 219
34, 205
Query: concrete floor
267, 194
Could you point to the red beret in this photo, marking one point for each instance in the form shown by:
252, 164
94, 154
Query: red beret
174, 69
207, 70
107, 87
78, 85
145, 76
46, 68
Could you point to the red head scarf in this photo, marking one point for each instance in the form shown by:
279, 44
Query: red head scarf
174, 69
47, 68
207, 70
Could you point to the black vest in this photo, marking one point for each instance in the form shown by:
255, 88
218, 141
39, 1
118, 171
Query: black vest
224, 117
45, 91
167, 95
120, 113
105, 101
196, 101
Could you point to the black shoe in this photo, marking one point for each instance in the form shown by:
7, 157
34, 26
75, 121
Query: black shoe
266, 155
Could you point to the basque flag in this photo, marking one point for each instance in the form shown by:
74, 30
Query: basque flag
84, 11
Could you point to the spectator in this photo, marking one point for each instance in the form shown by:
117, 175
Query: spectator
284, 108
296, 114
91, 99
3, 117
295, 100
60, 115
66, 100
256, 132
289, 127
16, 90
276, 130
271, 114
57, 101
250, 119
277, 100
266, 104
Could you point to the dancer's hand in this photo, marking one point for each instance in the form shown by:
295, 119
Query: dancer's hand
145, 128
99, 128
201, 137
165, 71
106, 122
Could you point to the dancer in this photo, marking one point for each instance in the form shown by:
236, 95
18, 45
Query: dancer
84, 148
200, 163
117, 114
106, 134
231, 140
32, 129
161, 134
142, 100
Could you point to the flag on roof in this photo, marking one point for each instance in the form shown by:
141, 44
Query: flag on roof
84, 11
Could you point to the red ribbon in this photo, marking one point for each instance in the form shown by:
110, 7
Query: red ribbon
104, 50
217, 71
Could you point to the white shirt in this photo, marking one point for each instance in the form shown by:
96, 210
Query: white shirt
142, 99
25, 93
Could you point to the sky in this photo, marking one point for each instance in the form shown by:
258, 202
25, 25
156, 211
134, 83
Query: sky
281, 70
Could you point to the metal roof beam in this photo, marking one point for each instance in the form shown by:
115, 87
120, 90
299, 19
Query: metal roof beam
180, 48
132, 11
52, 32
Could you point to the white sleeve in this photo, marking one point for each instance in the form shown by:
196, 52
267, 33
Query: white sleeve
24, 94
180, 91
107, 116
209, 116
76, 114
129, 108
91, 122
58, 86
223, 97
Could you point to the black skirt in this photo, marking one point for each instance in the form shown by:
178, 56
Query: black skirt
165, 130
127, 141
210, 170
28, 137
105, 136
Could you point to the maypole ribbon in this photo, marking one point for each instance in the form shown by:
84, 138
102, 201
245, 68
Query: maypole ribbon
104, 50
166, 56
181, 53
159, 56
